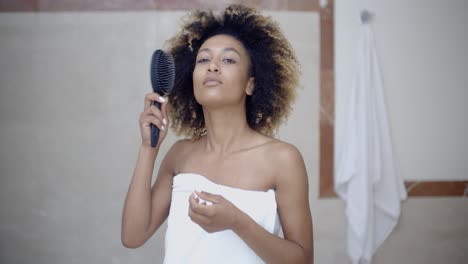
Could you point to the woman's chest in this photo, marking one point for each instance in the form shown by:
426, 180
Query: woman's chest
245, 170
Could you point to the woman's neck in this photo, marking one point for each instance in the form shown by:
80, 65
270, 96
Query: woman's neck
227, 130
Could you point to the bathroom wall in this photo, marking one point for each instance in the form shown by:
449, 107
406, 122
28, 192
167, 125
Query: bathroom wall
72, 86
72, 89
421, 50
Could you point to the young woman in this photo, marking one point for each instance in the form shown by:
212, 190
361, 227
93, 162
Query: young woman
228, 188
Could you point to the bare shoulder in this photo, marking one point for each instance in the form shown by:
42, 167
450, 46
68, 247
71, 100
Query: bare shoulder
287, 151
176, 152
287, 161
182, 147
283, 154
179, 146
292, 194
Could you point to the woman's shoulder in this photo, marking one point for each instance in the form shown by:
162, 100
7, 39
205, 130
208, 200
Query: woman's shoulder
283, 152
279, 149
178, 152
285, 158
180, 147
278, 153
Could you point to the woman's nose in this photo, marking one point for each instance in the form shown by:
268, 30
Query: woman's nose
213, 67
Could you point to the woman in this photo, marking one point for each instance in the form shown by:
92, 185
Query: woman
224, 189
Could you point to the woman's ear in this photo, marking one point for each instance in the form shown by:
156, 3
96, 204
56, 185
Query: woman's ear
250, 86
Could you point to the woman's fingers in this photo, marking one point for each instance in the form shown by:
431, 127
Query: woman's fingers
194, 211
153, 115
212, 218
164, 112
156, 112
150, 108
151, 97
157, 122
146, 120
214, 198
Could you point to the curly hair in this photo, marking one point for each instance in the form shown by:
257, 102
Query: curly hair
274, 66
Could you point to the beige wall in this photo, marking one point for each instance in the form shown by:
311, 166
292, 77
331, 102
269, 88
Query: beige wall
72, 87
71, 90
421, 45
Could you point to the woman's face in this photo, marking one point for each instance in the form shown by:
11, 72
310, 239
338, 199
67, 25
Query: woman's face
221, 75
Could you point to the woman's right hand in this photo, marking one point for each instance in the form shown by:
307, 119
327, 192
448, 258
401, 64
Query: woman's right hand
152, 115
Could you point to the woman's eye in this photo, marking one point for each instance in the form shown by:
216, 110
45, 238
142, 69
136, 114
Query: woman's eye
229, 61
202, 60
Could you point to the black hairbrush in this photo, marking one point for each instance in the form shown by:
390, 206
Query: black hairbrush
162, 73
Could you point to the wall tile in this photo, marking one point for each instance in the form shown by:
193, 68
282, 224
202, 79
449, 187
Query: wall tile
133, 5
18, 5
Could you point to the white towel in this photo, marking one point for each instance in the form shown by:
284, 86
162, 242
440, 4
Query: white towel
366, 176
186, 242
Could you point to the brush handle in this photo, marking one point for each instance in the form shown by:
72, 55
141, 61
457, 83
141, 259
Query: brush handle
155, 129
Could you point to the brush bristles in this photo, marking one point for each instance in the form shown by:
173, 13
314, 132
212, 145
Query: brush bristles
162, 72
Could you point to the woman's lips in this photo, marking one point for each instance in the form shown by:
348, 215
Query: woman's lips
211, 82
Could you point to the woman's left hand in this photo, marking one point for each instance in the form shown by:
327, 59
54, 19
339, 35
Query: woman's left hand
221, 215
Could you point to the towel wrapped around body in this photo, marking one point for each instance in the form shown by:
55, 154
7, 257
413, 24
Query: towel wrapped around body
186, 242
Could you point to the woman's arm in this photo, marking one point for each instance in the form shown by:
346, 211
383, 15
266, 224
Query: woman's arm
293, 206
147, 207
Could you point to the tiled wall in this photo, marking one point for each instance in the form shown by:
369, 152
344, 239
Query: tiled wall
125, 5
72, 87
326, 45
61, 203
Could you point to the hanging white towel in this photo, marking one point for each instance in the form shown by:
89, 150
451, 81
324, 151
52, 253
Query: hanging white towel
366, 176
